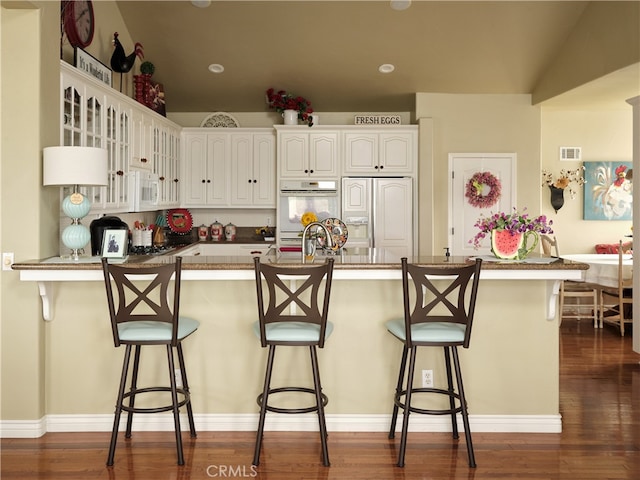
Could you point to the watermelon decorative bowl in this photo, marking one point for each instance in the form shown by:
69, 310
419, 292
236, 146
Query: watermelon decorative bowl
511, 245
513, 235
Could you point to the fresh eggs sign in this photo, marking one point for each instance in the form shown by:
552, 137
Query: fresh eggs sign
377, 120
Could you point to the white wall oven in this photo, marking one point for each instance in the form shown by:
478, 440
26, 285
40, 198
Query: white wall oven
299, 196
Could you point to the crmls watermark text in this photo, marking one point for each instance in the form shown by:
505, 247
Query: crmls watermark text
232, 471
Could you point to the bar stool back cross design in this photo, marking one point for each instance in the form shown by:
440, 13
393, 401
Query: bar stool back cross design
142, 314
438, 312
294, 314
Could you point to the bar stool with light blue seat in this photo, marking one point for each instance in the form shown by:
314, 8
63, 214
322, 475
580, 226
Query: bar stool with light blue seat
438, 312
142, 314
294, 314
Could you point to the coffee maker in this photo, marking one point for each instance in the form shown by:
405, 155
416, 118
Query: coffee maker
97, 228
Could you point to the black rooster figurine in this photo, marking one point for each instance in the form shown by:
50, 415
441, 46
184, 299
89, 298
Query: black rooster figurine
123, 63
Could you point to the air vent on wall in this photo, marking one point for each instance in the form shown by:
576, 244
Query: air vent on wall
571, 153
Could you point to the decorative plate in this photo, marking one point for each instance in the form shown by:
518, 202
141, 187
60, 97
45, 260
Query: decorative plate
179, 220
220, 120
339, 232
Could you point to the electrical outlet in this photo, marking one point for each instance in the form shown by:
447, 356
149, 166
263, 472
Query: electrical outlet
268, 221
7, 260
427, 378
178, 375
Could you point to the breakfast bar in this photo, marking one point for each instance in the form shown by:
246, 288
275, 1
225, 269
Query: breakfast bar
511, 368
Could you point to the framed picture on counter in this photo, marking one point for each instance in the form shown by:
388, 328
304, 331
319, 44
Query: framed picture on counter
114, 243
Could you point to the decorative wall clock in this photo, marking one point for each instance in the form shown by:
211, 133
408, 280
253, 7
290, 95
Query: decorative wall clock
78, 21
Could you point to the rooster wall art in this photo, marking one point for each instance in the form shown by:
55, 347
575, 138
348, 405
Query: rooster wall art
122, 63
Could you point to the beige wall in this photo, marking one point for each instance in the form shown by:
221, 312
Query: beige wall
29, 83
472, 124
28, 229
604, 135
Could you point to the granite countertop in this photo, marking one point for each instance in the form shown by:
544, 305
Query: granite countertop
348, 259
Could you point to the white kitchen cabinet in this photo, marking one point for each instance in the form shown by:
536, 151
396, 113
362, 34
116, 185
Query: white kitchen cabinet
140, 145
96, 115
92, 117
380, 152
165, 155
229, 169
206, 159
118, 144
253, 169
304, 153
393, 207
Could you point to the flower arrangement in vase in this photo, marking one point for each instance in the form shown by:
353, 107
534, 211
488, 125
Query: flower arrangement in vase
510, 232
281, 101
565, 180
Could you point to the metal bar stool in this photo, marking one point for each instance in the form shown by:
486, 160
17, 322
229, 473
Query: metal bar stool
141, 315
295, 314
440, 315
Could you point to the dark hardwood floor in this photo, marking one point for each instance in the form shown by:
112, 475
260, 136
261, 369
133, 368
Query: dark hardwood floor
599, 401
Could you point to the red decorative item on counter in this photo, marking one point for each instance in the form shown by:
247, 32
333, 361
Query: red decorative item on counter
217, 231
179, 220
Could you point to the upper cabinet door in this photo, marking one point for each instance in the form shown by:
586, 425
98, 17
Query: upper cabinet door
264, 169
361, 153
165, 160
381, 153
308, 155
253, 170
293, 154
323, 155
242, 177
397, 152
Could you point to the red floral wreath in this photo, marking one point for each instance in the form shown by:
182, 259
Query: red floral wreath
476, 186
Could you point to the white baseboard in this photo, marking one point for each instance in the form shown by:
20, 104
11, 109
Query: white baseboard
214, 422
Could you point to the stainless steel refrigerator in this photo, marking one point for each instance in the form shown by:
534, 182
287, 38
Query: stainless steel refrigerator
379, 213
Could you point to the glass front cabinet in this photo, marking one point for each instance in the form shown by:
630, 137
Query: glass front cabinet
95, 115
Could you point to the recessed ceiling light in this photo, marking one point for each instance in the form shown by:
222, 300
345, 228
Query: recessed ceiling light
201, 3
400, 4
386, 68
216, 68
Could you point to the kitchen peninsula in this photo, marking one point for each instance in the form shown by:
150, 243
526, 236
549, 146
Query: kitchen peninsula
511, 368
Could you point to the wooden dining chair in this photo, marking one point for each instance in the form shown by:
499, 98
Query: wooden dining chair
578, 308
616, 303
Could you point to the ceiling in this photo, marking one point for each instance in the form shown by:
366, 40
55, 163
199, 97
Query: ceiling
329, 51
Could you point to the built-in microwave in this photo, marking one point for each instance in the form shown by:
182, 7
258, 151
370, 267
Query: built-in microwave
144, 191
296, 197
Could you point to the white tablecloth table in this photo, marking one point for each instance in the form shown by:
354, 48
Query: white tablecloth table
603, 268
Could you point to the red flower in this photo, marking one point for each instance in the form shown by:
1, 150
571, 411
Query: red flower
281, 101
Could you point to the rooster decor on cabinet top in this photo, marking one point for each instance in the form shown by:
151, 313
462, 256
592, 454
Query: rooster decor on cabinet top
121, 62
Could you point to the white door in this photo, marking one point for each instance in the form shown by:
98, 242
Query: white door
463, 213
393, 213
